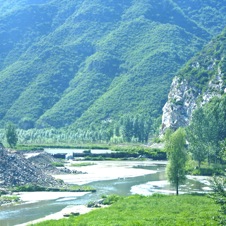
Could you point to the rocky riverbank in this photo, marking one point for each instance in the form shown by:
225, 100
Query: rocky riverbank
19, 171
48, 163
16, 170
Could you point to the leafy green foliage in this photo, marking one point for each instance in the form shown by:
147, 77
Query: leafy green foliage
145, 211
28, 188
110, 199
207, 12
133, 129
177, 156
208, 170
11, 135
206, 65
207, 131
9, 199
197, 135
219, 185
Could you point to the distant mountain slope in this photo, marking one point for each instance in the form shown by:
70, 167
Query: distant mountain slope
89, 62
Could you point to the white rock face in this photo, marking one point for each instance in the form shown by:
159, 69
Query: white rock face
180, 105
183, 100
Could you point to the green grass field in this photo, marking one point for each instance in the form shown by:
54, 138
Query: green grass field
153, 210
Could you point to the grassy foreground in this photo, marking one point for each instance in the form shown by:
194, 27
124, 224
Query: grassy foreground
153, 210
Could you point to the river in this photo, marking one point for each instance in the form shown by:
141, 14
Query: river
107, 177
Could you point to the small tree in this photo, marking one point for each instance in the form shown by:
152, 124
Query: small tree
11, 135
177, 157
219, 195
197, 137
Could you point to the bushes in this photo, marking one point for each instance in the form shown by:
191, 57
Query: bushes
205, 170
108, 200
153, 153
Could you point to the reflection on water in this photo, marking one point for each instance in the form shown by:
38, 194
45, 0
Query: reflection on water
146, 185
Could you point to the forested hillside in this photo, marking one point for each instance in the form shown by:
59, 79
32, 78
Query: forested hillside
97, 64
197, 82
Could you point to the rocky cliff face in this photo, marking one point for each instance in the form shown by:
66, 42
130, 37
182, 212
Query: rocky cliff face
184, 98
201, 79
181, 102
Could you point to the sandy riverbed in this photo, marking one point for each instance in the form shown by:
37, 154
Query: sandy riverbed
103, 170
40, 196
107, 170
99, 171
30, 197
81, 209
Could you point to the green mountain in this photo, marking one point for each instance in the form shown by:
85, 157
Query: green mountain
200, 81
90, 64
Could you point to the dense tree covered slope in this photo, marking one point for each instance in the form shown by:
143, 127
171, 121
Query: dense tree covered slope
86, 62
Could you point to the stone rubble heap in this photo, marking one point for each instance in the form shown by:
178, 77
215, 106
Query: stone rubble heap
45, 161
16, 170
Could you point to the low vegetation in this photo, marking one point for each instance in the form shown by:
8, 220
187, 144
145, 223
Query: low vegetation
9, 199
69, 188
145, 211
82, 164
58, 164
219, 195
206, 169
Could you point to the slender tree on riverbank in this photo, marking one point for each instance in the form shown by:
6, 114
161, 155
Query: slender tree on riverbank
11, 135
177, 156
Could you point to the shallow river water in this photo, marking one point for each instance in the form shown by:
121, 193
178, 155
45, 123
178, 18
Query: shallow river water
111, 177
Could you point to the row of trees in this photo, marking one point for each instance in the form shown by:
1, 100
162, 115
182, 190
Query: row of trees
206, 137
134, 129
